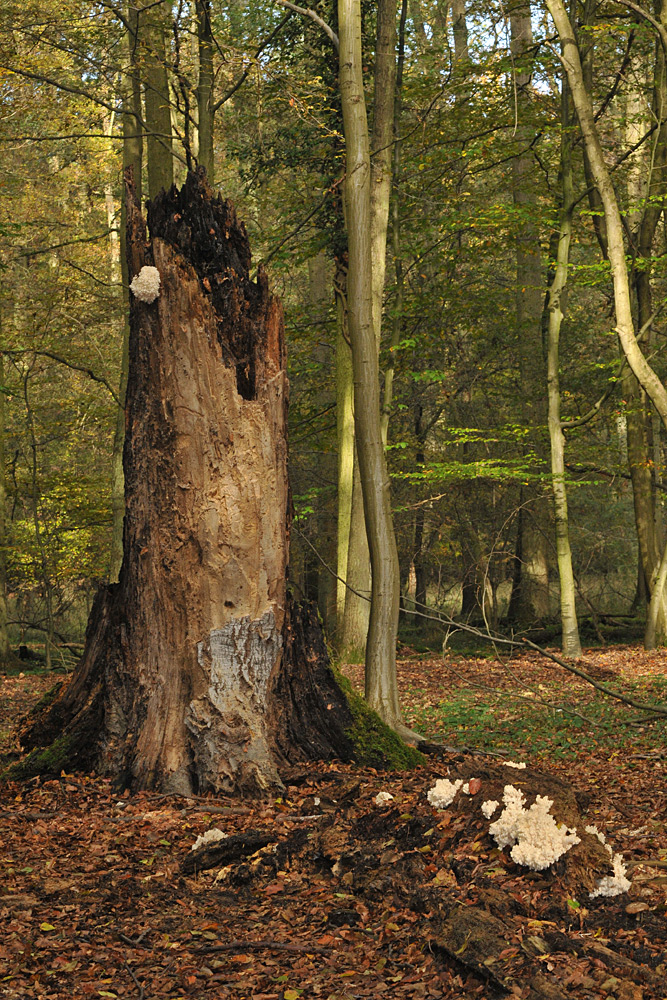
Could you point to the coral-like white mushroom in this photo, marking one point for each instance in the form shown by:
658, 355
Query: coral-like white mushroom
145, 286
616, 884
443, 792
510, 763
489, 807
538, 840
382, 798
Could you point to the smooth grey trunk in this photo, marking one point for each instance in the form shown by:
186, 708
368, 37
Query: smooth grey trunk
571, 643
399, 281
381, 685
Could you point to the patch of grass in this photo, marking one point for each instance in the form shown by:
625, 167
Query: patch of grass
487, 721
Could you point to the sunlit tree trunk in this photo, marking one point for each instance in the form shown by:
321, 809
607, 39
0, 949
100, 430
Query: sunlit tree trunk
358, 570
625, 328
154, 19
571, 643
381, 685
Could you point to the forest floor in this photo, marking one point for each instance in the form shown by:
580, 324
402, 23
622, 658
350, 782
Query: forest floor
348, 898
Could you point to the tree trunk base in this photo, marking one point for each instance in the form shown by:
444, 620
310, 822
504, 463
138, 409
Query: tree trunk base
200, 672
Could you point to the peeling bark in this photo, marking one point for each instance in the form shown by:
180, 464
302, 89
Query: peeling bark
183, 682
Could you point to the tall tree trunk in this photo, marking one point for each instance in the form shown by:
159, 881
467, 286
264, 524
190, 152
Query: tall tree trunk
132, 156
571, 643
358, 568
356, 619
5, 648
381, 685
530, 595
647, 189
399, 280
646, 376
198, 671
205, 111
154, 18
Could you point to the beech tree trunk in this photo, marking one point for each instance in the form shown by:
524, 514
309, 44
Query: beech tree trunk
199, 673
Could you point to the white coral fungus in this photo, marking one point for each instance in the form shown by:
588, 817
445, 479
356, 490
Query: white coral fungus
443, 792
382, 798
538, 840
511, 763
489, 807
613, 885
209, 837
145, 286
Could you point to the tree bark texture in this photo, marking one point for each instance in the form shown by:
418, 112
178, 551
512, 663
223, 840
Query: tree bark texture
381, 684
152, 33
198, 672
570, 640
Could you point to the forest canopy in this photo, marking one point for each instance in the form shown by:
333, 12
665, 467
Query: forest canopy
525, 457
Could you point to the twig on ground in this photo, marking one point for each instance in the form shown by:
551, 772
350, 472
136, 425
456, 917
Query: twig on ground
266, 946
142, 992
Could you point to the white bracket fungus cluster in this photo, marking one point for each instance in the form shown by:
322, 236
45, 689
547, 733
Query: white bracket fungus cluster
145, 286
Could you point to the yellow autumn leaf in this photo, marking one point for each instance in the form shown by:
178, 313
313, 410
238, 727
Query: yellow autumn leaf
46, 927
291, 995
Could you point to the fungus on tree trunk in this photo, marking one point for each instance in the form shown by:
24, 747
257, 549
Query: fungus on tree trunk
199, 671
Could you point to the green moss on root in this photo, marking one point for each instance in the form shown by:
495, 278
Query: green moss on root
49, 760
375, 743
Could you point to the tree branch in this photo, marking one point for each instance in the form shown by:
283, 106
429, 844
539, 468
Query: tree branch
307, 12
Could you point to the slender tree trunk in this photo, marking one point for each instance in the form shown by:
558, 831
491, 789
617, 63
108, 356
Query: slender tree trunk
132, 156
345, 434
571, 643
205, 112
381, 151
40, 530
530, 595
199, 672
358, 568
646, 376
381, 685
399, 281
5, 648
356, 619
154, 18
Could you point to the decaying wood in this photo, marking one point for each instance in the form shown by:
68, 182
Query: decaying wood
199, 673
223, 852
